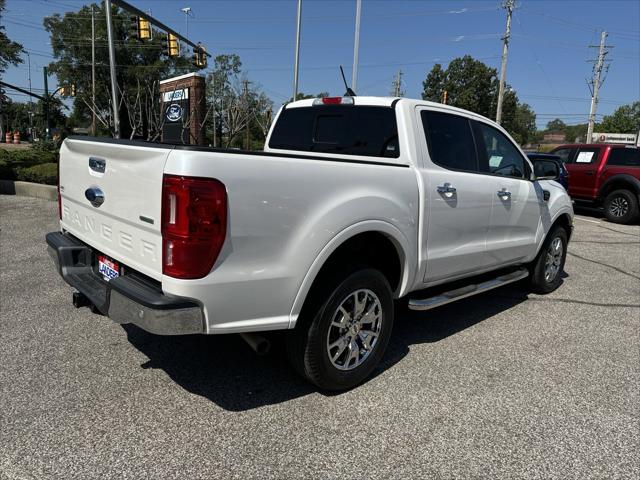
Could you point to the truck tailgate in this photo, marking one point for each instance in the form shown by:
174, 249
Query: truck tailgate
126, 226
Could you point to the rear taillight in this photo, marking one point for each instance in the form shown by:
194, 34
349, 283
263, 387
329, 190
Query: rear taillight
194, 225
59, 197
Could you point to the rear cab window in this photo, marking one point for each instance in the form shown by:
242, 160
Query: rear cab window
624, 157
370, 131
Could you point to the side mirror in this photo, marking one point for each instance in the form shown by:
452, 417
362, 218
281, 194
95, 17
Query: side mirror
546, 170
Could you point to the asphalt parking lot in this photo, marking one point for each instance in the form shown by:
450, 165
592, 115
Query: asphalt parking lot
507, 384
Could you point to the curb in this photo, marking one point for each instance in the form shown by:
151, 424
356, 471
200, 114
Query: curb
28, 189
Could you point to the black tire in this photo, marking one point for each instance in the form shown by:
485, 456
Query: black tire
621, 206
538, 280
307, 344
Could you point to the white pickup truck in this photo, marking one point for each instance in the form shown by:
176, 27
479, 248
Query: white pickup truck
354, 202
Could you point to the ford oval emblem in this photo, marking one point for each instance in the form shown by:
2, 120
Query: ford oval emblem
95, 196
174, 112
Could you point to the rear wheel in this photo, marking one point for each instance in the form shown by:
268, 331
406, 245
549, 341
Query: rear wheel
621, 206
546, 270
337, 344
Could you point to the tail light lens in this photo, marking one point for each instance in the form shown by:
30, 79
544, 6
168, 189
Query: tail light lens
194, 225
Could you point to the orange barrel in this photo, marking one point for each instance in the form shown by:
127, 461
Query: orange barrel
16, 137
7, 137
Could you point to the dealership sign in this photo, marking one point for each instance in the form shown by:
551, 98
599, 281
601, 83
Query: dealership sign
181, 94
625, 138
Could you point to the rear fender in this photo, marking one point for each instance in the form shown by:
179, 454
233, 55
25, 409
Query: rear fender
408, 263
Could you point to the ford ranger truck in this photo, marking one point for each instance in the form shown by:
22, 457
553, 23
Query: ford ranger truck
605, 175
354, 202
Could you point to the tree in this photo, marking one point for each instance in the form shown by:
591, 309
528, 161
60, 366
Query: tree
523, 126
626, 119
9, 55
556, 125
304, 96
9, 50
469, 83
472, 85
236, 104
140, 67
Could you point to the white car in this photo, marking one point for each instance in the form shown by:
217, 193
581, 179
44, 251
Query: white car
354, 202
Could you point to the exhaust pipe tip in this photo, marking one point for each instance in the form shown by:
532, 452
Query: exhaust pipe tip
258, 343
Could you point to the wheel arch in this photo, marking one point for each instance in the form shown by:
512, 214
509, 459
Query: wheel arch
619, 182
398, 265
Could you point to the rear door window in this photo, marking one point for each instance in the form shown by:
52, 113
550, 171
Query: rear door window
344, 129
624, 157
450, 141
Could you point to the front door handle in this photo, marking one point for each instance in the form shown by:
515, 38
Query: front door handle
447, 190
504, 194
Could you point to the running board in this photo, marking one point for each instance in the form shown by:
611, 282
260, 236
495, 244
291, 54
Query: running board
467, 291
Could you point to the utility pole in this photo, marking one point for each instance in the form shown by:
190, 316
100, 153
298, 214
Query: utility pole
93, 71
397, 85
356, 47
213, 106
596, 82
112, 71
509, 6
245, 84
296, 64
45, 104
30, 99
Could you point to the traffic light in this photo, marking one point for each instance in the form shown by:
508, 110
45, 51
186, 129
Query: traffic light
134, 28
144, 28
173, 49
200, 56
140, 28
68, 90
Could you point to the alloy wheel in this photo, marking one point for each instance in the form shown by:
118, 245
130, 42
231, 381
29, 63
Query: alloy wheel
354, 330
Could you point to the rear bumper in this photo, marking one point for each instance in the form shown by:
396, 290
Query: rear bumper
126, 299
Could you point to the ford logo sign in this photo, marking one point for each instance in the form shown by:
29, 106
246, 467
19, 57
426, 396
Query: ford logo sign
174, 112
95, 196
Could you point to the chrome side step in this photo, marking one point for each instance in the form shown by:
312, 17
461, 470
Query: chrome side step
467, 291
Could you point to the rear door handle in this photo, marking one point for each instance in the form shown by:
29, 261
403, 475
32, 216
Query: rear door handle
504, 194
447, 190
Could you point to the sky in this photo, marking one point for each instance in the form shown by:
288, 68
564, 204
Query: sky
548, 61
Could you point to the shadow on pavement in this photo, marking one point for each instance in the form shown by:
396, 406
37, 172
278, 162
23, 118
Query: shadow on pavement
223, 369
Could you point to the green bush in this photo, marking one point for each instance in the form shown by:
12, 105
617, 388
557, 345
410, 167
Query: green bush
46, 173
16, 163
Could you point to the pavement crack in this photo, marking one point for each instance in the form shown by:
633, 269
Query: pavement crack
583, 302
604, 243
637, 235
624, 272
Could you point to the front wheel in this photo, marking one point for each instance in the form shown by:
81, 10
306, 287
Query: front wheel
547, 268
621, 206
338, 345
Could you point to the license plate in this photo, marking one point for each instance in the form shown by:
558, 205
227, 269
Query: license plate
108, 268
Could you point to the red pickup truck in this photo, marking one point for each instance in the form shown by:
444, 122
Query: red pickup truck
604, 175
